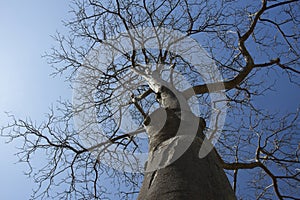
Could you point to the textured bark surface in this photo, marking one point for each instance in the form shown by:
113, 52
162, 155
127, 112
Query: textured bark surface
187, 178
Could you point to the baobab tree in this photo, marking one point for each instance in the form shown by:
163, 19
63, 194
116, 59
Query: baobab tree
179, 80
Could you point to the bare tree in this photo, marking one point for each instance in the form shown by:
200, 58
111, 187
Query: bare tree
247, 41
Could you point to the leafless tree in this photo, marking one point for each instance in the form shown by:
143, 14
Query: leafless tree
249, 42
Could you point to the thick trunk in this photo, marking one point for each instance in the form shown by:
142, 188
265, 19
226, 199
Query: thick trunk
170, 175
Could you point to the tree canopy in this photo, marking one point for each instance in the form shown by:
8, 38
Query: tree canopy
250, 44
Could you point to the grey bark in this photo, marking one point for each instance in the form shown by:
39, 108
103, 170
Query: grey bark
170, 175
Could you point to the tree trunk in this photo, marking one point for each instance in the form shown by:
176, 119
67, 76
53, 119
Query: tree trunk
170, 175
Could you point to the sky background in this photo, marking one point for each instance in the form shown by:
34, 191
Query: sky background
27, 90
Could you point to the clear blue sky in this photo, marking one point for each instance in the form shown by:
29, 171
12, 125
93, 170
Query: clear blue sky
25, 86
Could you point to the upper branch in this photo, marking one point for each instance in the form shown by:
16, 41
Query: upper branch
249, 61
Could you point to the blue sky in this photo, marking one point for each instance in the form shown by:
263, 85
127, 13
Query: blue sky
28, 91
25, 86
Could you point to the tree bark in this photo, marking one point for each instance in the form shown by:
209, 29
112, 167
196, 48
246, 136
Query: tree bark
170, 175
